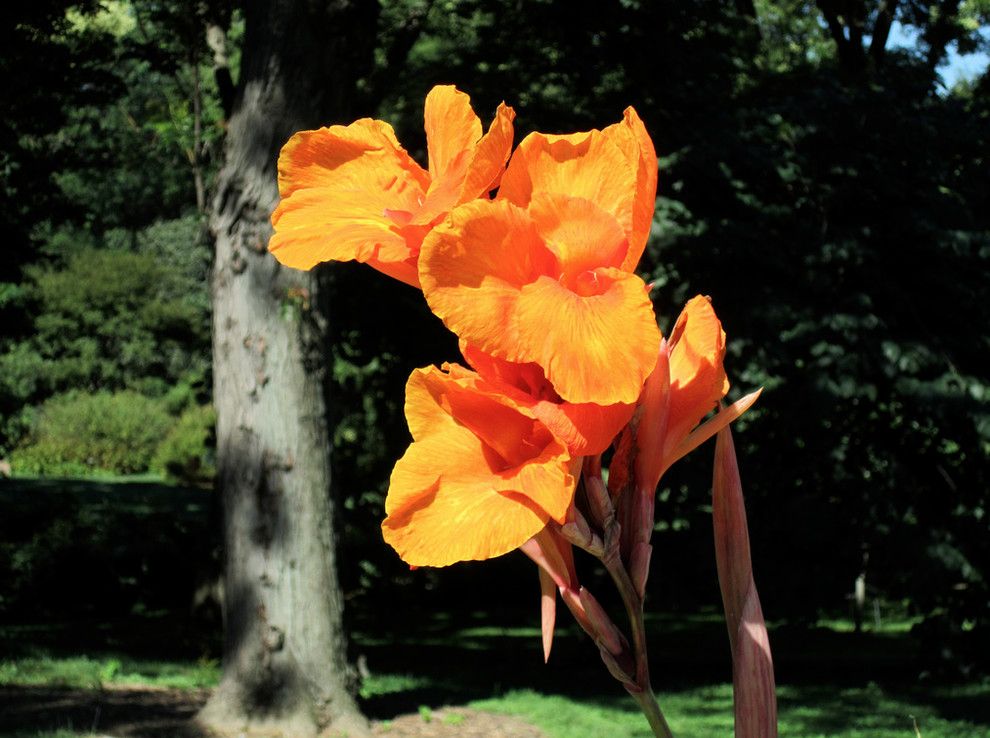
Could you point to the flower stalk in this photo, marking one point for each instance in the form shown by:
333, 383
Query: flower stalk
627, 662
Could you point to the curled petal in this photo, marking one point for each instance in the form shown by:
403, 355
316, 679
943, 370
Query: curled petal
697, 377
341, 190
490, 154
586, 428
631, 137
464, 164
466, 488
687, 383
616, 169
452, 129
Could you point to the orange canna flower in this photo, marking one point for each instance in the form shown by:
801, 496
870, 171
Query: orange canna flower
482, 476
353, 193
543, 274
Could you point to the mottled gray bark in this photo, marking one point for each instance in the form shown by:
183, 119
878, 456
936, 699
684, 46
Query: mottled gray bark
284, 663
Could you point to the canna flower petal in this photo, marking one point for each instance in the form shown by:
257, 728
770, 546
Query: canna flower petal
616, 169
490, 276
481, 477
353, 193
697, 377
346, 156
580, 338
585, 428
489, 156
581, 235
464, 164
452, 129
688, 382
632, 138
338, 187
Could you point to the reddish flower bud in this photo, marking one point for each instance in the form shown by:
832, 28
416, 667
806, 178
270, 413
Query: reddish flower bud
752, 666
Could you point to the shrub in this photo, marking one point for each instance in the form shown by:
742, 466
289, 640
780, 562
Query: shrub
81, 433
186, 453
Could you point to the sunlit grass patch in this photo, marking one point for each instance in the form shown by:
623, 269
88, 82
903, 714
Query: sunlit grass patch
706, 712
92, 673
378, 685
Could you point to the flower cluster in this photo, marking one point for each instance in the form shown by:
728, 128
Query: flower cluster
563, 357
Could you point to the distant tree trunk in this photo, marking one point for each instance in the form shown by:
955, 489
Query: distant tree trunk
284, 662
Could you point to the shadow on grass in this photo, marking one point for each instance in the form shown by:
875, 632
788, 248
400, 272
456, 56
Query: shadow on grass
415, 656
148, 713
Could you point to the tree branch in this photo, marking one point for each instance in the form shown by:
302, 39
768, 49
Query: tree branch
881, 30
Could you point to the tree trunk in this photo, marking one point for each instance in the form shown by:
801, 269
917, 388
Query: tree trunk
284, 661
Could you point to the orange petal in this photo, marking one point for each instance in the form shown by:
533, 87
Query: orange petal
452, 129
345, 154
339, 186
452, 496
309, 230
651, 427
585, 428
473, 171
490, 154
527, 378
581, 235
697, 378
631, 137
587, 165
595, 348
472, 266
485, 274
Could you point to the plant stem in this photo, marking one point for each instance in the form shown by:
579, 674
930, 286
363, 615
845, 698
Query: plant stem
643, 692
648, 704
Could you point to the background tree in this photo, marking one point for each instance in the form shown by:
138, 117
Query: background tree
284, 659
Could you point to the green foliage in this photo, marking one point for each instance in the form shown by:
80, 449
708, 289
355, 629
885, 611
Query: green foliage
110, 318
186, 453
126, 311
85, 551
77, 434
842, 245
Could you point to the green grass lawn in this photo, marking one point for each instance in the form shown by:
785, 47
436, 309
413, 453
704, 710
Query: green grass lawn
60, 543
85, 672
696, 711
703, 712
